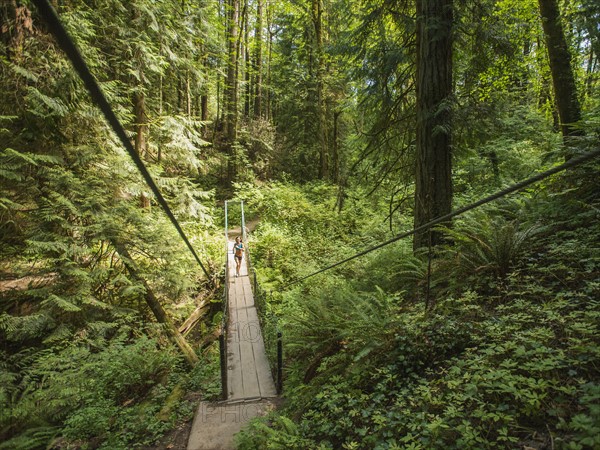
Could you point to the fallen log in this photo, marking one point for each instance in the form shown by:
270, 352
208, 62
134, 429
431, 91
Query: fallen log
193, 319
27, 282
155, 306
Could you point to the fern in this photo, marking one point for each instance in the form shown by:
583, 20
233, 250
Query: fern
24, 73
60, 304
33, 438
7, 323
61, 334
44, 105
8, 204
22, 328
14, 163
488, 245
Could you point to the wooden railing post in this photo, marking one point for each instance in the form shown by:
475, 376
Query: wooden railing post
226, 224
223, 357
243, 221
279, 364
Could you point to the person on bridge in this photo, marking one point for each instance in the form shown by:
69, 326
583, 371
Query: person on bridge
238, 252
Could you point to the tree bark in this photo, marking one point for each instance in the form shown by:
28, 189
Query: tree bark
268, 111
433, 183
188, 94
195, 317
258, 56
335, 159
141, 127
204, 91
589, 73
155, 306
563, 79
15, 22
230, 94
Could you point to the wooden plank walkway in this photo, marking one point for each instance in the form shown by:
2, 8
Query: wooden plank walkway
251, 390
248, 372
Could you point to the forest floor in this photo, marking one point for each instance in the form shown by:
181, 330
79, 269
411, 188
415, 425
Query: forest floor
177, 438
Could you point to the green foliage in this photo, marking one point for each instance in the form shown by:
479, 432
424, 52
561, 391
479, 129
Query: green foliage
83, 362
506, 357
206, 376
299, 228
87, 392
507, 381
274, 432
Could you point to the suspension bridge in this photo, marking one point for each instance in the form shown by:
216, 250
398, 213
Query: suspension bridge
248, 388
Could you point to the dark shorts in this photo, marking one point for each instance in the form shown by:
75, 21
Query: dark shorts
238, 257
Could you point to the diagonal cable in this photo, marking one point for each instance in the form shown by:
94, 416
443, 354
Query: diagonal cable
64, 40
575, 161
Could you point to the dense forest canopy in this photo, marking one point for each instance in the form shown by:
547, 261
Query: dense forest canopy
339, 123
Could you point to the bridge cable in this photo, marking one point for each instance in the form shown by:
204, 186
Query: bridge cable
574, 161
64, 40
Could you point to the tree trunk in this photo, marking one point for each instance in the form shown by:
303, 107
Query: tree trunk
247, 63
335, 159
179, 94
563, 80
268, 111
195, 317
258, 60
141, 129
155, 306
319, 72
188, 94
203, 107
140, 123
231, 89
231, 86
433, 184
589, 77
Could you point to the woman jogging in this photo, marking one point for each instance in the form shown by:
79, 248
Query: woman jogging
238, 252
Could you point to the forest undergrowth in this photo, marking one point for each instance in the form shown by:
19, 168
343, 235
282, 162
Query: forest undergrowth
502, 352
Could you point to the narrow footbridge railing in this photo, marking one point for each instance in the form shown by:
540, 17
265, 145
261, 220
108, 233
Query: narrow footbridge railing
225, 318
269, 324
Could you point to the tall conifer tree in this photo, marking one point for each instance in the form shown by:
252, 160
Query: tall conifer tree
433, 195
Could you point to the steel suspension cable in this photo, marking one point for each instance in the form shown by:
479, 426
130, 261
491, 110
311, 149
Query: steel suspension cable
66, 43
575, 161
